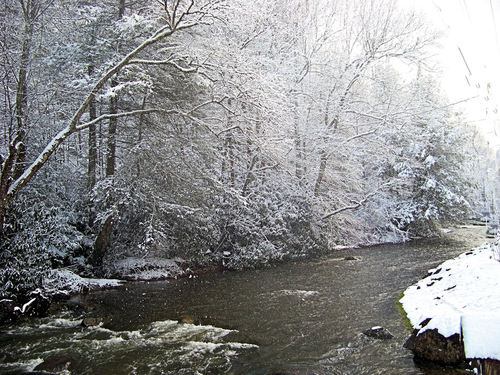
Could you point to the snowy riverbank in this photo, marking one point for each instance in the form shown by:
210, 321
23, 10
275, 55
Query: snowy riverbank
461, 297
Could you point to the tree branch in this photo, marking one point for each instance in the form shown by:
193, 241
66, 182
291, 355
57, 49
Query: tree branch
118, 115
165, 62
346, 208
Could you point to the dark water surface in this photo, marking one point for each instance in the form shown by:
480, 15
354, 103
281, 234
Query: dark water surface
297, 318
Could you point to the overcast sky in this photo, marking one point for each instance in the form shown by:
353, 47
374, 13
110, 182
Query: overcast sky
470, 55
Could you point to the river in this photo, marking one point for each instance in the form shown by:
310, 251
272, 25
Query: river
304, 317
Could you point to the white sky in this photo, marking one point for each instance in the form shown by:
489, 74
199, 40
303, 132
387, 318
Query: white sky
471, 27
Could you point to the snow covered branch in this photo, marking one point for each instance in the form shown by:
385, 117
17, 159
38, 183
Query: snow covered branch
165, 62
350, 207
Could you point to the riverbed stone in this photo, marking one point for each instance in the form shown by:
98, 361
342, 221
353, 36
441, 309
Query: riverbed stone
93, 321
350, 257
57, 363
188, 319
432, 346
379, 333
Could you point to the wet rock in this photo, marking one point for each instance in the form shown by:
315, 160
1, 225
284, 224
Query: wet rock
90, 321
487, 366
350, 257
58, 363
7, 314
187, 319
6, 357
490, 367
94, 321
379, 333
432, 346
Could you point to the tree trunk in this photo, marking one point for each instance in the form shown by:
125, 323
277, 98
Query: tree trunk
92, 144
3, 213
321, 172
102, 241
111, 144
104, 237
22, 87
250, 175
139, 134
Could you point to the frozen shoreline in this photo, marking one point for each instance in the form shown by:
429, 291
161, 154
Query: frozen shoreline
461, 296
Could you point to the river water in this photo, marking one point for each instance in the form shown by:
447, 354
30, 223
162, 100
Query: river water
303, 317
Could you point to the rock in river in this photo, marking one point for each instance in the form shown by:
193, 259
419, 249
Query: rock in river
57, 363
379, 333
431, 345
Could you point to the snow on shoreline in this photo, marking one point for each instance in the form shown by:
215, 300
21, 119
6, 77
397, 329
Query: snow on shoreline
461, 296
146, 269
65, 281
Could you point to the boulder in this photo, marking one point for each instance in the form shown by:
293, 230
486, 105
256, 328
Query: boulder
57, 363
188, 319
94, 321
432, 346
379, 333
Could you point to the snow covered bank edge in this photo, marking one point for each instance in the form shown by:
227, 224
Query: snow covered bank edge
460, 297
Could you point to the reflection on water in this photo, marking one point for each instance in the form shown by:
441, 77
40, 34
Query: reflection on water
297, 318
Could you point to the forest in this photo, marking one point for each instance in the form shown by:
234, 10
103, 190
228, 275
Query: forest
222, 133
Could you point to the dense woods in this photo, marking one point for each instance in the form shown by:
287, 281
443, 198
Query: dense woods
221, 132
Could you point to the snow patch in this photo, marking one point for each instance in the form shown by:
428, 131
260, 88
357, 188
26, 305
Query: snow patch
481, 332
65, 281
461, 296
148, 268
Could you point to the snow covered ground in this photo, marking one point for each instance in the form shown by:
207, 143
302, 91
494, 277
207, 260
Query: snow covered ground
148, 268
462, 296
65, 281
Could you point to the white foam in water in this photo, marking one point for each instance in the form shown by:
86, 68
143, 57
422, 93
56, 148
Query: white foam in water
167, 345
61, 323
297, 292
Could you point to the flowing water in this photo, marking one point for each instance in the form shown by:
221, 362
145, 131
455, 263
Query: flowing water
303, 317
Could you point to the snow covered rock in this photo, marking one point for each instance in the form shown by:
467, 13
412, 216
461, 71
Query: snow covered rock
148, 268
65, 282
455, 310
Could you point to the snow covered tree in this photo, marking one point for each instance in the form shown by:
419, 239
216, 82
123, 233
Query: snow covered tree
180, 15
